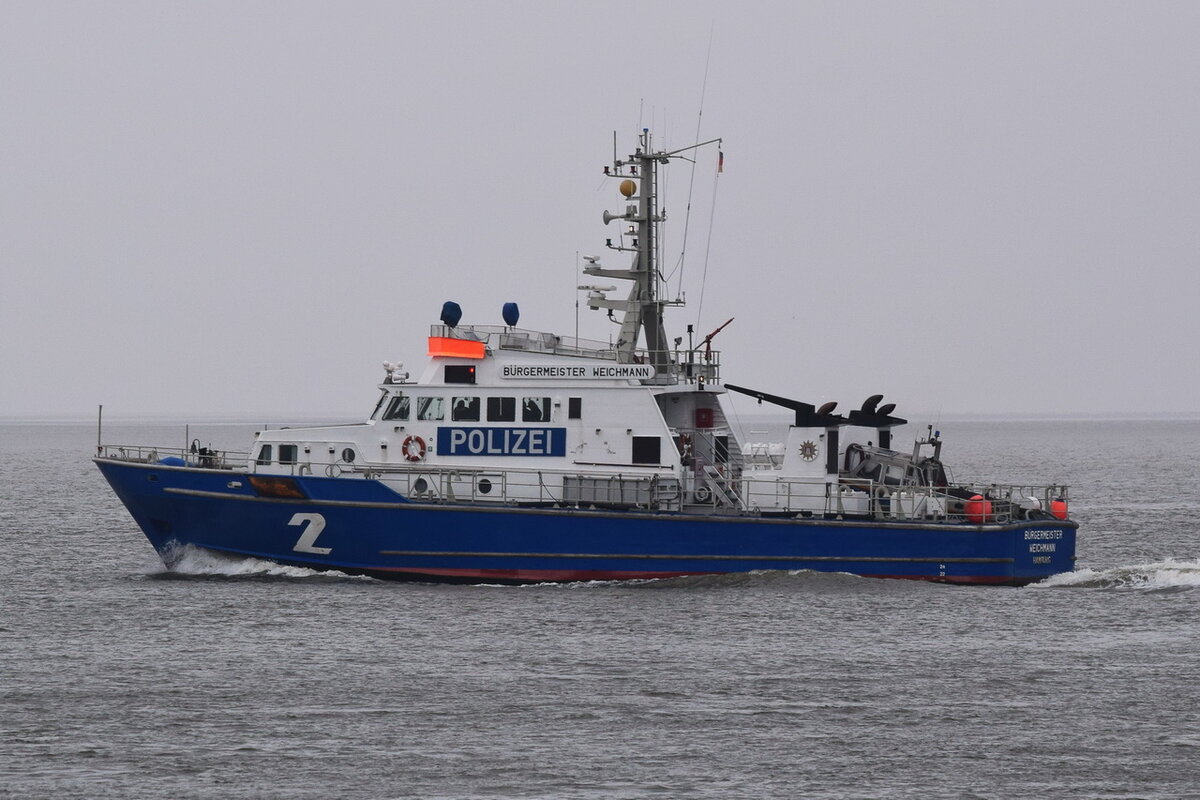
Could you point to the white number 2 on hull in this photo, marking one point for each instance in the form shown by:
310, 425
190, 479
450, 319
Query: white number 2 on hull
308, 537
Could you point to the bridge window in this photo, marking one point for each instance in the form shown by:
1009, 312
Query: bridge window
431, 408
501, 409
464, 409
287, 454
382, 399
535, 409
397, 408
264, 454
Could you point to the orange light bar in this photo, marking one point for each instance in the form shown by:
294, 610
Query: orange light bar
455, 348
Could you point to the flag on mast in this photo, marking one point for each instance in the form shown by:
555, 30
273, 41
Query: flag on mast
720, 161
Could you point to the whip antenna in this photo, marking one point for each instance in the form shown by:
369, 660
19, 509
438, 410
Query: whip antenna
711, 214
687, 217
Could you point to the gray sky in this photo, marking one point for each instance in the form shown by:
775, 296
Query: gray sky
245, 207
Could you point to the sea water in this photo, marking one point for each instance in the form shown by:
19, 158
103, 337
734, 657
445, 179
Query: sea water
237, 678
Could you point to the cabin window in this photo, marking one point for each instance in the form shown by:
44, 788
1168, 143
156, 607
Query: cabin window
464, 409
264, 454
382, 399
397, 408
647, 450
535, 409
287, 454
460, 373
501, 409
720, 449
431, 408
574, 408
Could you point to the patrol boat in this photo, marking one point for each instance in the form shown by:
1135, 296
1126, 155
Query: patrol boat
520, 456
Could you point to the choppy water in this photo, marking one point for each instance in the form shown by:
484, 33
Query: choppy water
240, 679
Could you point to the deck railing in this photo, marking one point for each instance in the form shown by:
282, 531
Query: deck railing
203, 457
694, 491
962, 503
677, 365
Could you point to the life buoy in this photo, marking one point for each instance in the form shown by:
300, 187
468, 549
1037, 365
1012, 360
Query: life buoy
413, 449
703, 494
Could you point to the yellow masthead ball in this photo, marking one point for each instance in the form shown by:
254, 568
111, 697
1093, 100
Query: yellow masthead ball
628, 188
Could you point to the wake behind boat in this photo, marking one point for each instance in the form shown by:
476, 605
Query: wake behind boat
522, 456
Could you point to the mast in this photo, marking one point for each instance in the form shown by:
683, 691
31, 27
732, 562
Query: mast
643, 309
645, 265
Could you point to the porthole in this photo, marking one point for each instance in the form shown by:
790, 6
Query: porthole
485, 486
348, 455
420, 485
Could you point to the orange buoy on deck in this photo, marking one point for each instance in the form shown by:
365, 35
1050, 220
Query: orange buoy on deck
1058, 508
977, 509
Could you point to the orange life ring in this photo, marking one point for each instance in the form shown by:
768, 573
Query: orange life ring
413, 449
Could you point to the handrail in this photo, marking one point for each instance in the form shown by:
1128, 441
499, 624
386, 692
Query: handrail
688, 366
203, 457
753, 492
960, 503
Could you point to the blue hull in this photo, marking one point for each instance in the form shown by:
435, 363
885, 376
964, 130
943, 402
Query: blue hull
363, 527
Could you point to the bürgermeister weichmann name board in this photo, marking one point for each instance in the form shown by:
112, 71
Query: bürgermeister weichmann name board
576, 372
